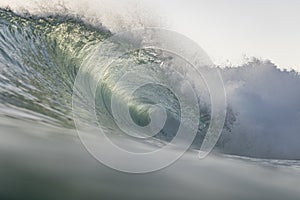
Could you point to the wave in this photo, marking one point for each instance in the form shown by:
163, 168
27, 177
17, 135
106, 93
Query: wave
265, 101
40, 57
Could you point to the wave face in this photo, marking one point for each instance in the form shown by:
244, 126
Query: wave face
40, 57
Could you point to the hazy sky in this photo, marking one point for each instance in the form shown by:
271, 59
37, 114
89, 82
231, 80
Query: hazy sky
229, 29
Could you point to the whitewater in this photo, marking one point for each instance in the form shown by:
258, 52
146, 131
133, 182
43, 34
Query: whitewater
256, 156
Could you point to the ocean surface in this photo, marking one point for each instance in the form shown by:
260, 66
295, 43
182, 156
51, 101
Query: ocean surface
42, 157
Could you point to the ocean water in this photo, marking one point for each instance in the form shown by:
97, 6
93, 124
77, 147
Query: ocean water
42, 157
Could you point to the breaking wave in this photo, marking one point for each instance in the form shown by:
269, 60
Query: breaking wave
41, 55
